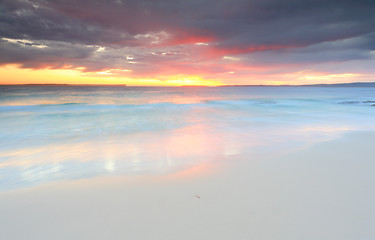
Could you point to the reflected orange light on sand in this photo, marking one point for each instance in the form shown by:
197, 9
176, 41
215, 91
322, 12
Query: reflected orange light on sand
52, 153
190, 141
194, 171
181, 152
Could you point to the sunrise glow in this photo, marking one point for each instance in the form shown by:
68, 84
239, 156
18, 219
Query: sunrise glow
13, 74
87, 44
16, 75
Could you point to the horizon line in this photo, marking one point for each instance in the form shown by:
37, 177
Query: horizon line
223, 85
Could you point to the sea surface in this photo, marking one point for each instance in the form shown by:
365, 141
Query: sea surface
65, 133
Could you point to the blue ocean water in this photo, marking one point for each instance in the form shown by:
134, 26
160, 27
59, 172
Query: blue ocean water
63, 133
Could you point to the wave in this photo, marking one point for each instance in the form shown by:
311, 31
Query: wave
357, 102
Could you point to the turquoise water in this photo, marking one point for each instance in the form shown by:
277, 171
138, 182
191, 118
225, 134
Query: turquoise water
63, 133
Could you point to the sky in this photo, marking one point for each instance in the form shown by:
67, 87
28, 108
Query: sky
187, 42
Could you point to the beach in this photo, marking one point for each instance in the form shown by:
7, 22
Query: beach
175, 163
324, 191
187, 120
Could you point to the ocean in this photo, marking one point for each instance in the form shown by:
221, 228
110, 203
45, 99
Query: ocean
65, 133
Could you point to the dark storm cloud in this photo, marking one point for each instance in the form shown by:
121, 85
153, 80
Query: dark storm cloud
148, 28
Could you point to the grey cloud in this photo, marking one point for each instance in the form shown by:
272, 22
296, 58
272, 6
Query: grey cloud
357, 48
232, 23
26, 20
31, 56
303, 31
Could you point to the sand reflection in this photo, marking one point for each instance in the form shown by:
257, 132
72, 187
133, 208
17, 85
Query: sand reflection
185, 151
159, 152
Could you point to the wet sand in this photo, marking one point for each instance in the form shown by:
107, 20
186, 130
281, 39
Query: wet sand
324, 191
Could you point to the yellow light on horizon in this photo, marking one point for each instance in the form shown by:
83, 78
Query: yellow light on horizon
191, 81
13, 74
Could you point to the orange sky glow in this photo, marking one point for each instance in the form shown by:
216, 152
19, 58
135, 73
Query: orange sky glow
159, 43
12, 74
